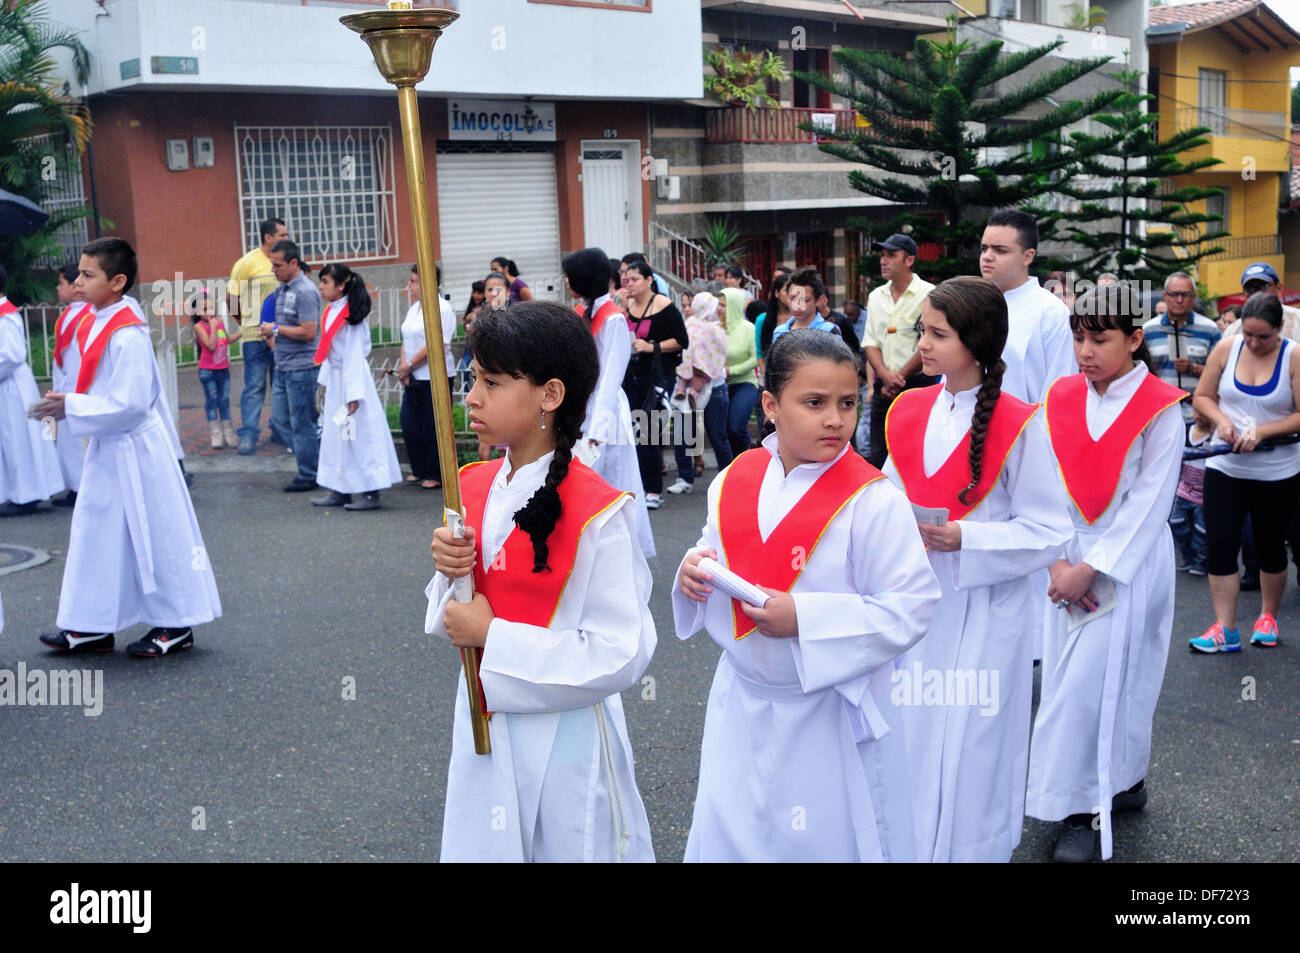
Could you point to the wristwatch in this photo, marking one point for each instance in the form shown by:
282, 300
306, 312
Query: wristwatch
275, 331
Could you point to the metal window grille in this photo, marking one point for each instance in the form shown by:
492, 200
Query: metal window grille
332, 186
66, 190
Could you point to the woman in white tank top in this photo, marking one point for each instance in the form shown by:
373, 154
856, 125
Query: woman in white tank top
1250, 391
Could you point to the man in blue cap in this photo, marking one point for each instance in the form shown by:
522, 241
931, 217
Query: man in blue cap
1261, 276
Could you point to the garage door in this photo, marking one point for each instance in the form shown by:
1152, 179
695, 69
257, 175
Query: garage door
497, 203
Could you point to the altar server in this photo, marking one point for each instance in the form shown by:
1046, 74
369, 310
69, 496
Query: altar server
1117, 434
799, 762
135, 553
356, 445
607, 429
29, 464
980, 458
64, 369
560, 611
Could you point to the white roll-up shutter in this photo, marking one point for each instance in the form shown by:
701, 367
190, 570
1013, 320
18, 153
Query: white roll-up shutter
497, 203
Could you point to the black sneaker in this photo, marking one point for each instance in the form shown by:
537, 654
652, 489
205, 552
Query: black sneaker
67, 499
19, 509
1134, 799
1077, 842
299, 485
72, 642
158, 642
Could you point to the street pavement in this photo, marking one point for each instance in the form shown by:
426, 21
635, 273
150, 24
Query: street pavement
247, 748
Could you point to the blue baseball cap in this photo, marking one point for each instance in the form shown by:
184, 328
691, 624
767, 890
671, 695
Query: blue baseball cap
1259, 271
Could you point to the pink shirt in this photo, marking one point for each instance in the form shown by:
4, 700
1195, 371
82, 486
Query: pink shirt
217, 358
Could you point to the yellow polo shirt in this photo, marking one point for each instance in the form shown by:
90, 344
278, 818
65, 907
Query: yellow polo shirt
891, 325
252, 280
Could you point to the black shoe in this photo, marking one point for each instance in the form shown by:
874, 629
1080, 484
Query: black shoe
65, 641
158, 642
1134, 799
1249, 583
18, 509
333, 498
368, 501
1078, 842
299, 485
67, 499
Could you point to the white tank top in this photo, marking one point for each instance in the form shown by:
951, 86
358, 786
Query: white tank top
1260, 404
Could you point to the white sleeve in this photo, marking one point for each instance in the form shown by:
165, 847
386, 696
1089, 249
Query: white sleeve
604, 425
531, 668
845, 635
1058, 349
128, 400
1143, 514
13, 352
688, 615
1039, 526
355, 366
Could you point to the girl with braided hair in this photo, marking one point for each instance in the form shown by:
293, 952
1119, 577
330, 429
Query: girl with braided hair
560, 610
799, 761
982, 458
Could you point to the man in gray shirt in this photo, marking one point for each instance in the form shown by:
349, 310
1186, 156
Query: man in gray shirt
293, 336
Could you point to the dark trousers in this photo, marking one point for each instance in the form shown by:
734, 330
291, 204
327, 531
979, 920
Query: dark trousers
649, 452
1270, 504
419, 431
879, 407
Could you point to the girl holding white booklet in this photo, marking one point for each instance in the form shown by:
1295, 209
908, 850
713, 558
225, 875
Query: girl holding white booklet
965, 450
798, 761
1117, 434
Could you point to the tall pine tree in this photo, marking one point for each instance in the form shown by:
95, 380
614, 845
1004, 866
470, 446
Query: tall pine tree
1132, 169
933, 118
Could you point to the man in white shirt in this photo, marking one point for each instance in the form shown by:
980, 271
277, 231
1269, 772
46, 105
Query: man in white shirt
1040, 346
889, 339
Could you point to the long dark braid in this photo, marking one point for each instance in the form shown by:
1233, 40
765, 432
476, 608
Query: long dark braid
977, 311
542, 341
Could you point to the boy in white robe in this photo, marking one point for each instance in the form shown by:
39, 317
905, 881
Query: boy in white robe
64, 368
29, 465
135, 553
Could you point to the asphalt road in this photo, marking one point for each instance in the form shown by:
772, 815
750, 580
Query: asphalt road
252, 726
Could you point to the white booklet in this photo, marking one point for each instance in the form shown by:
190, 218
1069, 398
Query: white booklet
931, 515
733, 585
1103, 587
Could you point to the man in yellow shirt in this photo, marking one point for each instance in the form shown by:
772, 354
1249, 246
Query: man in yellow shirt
890, 336
251, 282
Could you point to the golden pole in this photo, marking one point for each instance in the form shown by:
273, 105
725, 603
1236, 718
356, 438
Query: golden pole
401, 41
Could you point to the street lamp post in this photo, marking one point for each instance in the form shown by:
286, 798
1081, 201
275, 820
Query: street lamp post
401, 40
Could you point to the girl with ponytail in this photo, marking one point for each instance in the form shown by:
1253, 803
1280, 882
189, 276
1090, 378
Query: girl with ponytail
978, 469
560, 610
356, 445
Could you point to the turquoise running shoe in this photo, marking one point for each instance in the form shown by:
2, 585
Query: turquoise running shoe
1216, 639
1265, 633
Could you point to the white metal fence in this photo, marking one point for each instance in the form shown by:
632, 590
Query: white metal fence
64, 189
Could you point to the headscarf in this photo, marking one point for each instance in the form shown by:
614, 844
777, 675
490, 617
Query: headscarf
735, 307
705, 306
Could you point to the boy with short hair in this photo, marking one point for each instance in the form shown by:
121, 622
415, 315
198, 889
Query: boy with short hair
135, 553
29, 466
63, 369
805, 288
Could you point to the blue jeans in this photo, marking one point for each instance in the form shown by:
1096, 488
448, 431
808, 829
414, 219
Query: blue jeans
259, 366
715, 425
216, 392
1187, 523
298, 390
743, 399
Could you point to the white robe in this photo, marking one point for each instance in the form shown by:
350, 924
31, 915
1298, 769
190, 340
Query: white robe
967, 757
135, 553
547, 792
356, 455
1039, 351
63, 380
609, 421
29, 465
798, 762
1092, 735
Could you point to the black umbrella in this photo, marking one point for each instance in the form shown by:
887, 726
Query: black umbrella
20, 216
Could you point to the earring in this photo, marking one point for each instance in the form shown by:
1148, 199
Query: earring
543, 420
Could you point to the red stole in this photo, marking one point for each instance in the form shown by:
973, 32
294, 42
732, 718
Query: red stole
7, 308
64, 328
327, 336
905, 436
602, 314
518, 594
778, 561
90, 357
1091, 468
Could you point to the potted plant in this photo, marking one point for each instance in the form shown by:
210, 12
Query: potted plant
741, 78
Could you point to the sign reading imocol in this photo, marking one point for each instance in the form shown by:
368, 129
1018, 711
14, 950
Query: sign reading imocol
500, 120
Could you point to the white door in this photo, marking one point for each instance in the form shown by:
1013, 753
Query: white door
611, 197
498, 203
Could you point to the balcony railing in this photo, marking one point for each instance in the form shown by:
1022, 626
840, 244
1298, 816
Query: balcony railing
1246, 246
1246, 123
737, 124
